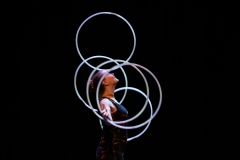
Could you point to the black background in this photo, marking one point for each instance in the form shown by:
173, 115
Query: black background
190, 47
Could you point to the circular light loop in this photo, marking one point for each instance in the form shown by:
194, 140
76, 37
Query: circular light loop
97, 90
100, 13
77, 70
136, 126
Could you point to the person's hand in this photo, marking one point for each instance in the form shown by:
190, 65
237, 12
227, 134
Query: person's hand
106, 114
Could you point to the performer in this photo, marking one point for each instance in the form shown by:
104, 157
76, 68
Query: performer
113, 140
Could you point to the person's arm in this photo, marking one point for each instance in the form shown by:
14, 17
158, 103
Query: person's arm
106, 109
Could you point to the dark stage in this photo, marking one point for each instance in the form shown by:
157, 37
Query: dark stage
182, 43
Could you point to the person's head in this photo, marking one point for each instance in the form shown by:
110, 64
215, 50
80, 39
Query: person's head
109, 80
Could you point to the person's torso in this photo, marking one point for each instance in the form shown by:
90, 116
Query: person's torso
116, 134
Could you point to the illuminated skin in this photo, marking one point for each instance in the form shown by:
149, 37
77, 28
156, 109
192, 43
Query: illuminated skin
109, 82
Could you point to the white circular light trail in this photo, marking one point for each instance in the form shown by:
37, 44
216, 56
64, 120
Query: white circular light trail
115, 123
97, 90
77, 70
108, 13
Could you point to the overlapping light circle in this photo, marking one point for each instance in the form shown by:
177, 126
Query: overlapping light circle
101, 13
118, 66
